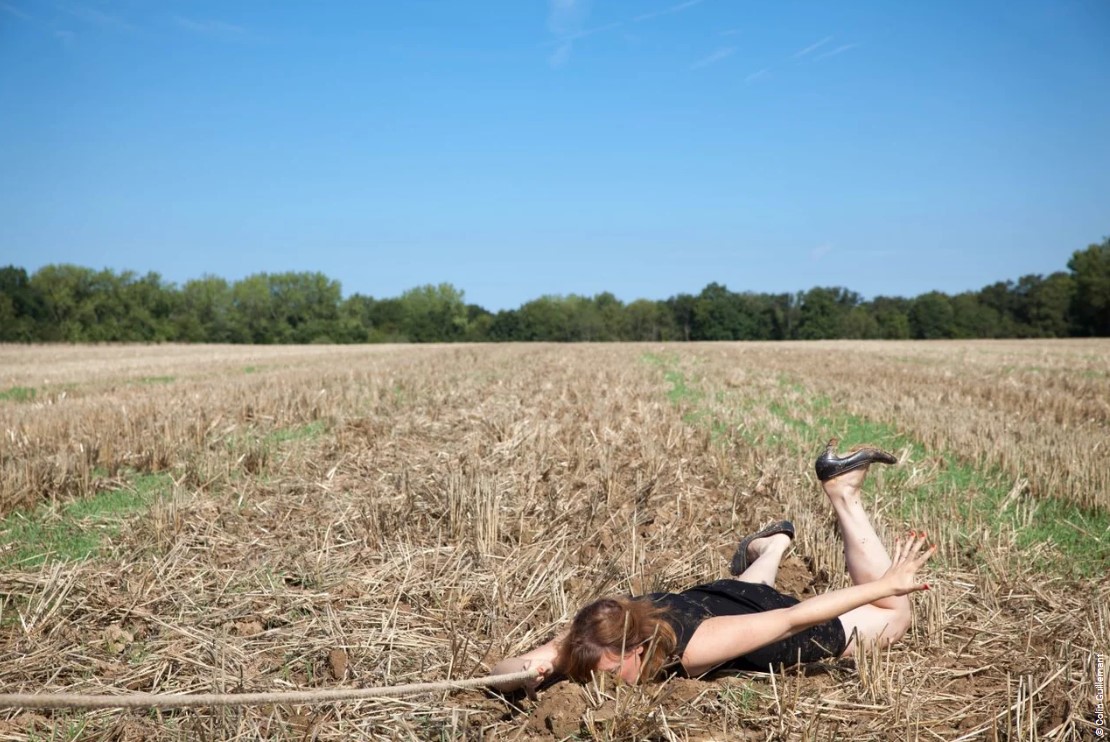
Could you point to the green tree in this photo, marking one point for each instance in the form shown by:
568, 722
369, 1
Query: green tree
757, 316
650, 321
891, 315
388, 321
612, 317
931, 317
561, 319
1044, 305
506, 326
478, 323
355, 319
1002, 298
105, 317
782, 316
1090, 270
584, 320
205, 312
682, 308
858, 324
434, 313
258, 319
822, 312
716, 315
972, 318
544, 319
21, 307
68, 310
306, 306
145, 305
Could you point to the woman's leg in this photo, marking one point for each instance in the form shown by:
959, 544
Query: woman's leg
867, 560
768, 552
869, 623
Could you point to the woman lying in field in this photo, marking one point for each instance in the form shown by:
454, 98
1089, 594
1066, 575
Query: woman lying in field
744, 623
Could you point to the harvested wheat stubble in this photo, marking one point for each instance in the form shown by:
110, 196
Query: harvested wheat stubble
423, 511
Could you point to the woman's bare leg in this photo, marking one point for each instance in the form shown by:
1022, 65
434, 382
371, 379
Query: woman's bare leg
864, 554
768, 552
869, 623
867, 560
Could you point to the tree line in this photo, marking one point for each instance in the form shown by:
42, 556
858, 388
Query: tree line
68, 303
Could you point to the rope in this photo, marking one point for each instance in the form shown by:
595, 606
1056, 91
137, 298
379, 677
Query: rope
178, 700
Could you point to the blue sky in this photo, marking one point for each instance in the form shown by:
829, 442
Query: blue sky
516, 149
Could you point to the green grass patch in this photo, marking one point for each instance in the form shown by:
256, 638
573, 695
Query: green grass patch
18, 394
680, 392
737, 697
660, 359
62, 730
957, 490
963, 492
300, 433
255, 451
157, 379
75, 530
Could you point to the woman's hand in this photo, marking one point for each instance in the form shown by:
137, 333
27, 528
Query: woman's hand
909, 556
541, 659
544, 668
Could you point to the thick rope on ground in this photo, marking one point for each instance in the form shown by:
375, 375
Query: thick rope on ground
178, 700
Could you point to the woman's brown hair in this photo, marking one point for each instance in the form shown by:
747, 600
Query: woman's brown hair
618, 625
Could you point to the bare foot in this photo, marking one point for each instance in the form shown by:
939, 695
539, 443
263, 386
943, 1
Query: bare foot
847, 485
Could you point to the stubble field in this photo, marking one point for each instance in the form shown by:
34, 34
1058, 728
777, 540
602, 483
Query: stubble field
200, 518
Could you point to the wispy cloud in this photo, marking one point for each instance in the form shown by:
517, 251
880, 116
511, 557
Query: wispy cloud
667, 11
730, 32
800, 54
820, 251
591, 31
14, 11
757, 76
64, 36
812, 47
561, 55
566, 16
564, 45
209, 27
834, 52
100, 18
565, 20
717, 56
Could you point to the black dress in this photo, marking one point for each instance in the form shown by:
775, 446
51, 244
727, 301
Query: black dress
686, 611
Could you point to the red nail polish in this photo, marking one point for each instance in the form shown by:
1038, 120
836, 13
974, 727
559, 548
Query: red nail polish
926, 586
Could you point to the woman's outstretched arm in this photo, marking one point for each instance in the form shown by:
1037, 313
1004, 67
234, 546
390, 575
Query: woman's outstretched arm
542, 659
723, 638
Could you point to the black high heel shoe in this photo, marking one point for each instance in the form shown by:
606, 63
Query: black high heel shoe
740, 558
830, 466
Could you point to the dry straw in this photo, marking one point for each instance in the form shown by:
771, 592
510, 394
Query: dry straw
342, 517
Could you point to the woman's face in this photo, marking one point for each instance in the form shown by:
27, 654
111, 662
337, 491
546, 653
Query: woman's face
626, 667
